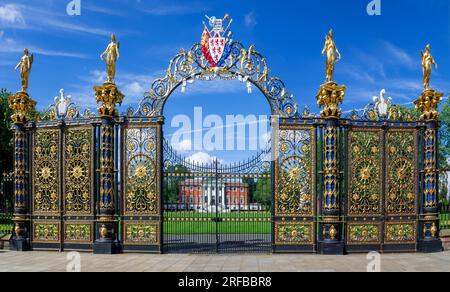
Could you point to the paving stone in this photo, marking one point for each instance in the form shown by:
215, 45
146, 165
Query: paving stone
41, 261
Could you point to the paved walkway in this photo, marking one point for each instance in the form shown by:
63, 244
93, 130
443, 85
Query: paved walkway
58, 262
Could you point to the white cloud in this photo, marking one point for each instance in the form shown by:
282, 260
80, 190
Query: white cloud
134, 89
9, 45
203, 157
185, 145
11, 14
250, 19
399, 55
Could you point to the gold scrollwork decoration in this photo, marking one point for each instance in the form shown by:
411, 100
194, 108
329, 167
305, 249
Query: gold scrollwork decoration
295, 172
288, 233
46, 184
141, 233
78, 170
401, 156
78, 232
363, 233
141, 194
364, 194
400, 233
46, 232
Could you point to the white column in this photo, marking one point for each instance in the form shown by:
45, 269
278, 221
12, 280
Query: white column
209, 194
448, 185
223, 195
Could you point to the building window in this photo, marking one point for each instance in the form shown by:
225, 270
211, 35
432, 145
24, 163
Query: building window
191, 188
191, 200
228, 200
206, 199
242, 189
183, 199
242, 200
199, 188
183, 188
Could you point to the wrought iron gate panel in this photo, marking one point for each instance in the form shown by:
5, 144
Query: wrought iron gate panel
78, 185
401, 171
401, 189
46, 187
141, 193
382, 193
217, 208
365, 190
295, 184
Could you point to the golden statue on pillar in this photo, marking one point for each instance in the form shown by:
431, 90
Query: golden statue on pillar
108, 95
112, 54
21, 103
429, 100
25, 64
427, 65
331, 94
332, 54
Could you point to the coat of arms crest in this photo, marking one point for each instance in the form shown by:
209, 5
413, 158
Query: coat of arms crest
216, 41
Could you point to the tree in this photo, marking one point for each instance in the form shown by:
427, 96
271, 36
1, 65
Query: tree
263, 191
444, 135
171, 184
6, 134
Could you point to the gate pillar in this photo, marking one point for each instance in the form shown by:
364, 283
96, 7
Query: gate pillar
21, 104
106, 221
330, 225
429, 240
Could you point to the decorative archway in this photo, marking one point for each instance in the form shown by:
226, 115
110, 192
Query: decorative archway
248, 66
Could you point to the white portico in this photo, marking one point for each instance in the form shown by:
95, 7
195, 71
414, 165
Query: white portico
213, 195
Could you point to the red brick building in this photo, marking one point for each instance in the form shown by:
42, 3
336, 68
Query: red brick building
202, 194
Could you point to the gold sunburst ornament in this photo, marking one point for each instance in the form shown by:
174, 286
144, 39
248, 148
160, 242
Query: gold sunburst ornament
141, 171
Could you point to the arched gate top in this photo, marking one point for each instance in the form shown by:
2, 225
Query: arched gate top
217, 56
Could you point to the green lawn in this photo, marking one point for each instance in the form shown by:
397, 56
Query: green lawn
181, 223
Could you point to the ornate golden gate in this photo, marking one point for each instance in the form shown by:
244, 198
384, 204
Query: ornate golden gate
340, 184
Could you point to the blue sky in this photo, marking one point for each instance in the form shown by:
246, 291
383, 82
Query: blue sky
378, 51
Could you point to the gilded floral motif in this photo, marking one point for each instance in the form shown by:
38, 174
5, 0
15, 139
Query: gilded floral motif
400, 233
141, 233
364, 233
401, 171
141, 189
78, 232
77, 168
46, 232
365, 172
294, 196
46, 171
293, 233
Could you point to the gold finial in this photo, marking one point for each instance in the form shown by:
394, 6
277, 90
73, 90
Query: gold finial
332, 54
427, 66
110, 56
25, 65
429, 100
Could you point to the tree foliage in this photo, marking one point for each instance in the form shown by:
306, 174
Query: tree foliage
444, 134
171, 184
6, 134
